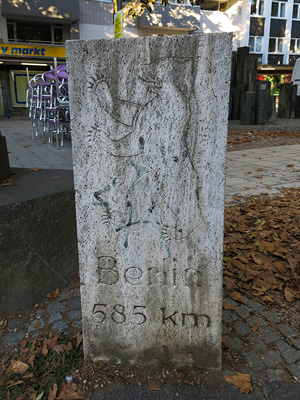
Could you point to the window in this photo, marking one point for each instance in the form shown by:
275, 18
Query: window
11, 29
278, 9
275, 45
57, 34
295, 46
34, 32
296, 11
255, 44
257, 7
185, 2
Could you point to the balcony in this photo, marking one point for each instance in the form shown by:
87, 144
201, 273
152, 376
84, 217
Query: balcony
178, 16
51, 10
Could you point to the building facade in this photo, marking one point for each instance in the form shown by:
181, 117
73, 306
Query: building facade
32, 32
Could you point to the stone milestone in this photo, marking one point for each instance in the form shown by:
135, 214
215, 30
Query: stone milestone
149, 126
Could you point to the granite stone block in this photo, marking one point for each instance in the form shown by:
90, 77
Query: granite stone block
149, 126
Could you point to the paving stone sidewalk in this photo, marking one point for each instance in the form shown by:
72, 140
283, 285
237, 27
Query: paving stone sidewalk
255, 341
53, 315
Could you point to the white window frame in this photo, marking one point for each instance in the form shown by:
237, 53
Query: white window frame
297, 5
255, 44
281, 4
278, 40
183, 3
259, 4
297, 46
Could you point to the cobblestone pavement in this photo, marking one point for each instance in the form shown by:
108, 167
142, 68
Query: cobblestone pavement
255, 341
258, 340
55, 315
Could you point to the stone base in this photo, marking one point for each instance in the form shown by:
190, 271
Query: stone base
4, 162
38, 250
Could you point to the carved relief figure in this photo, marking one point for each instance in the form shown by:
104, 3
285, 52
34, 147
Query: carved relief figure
153, 150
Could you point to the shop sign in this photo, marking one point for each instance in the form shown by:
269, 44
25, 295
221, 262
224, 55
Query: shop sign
32, 51
118, 22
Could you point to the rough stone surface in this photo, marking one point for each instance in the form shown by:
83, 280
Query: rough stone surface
275, 375
269, 334
77, 324
4, 162
59, 326
231, 301
254, 319
75, 304
12, 339
243, 312
271, 316
289, 354
55, 317
233, 344
272, 359
30, 265
225, 330
228, 316
241, 329
255, 305
294, 370
296, 343
149, 142
74, 315
55, 308
15, 323
281, 391
258, 344
36, 325
253, 360
286, 331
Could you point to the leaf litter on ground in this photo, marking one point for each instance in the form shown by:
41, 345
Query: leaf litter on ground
39, 369
261, 260
262, 248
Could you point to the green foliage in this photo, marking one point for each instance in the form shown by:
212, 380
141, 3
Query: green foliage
275, 84
47, 370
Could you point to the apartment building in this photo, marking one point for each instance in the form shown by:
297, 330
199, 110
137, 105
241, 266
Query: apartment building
32, 32
274, 31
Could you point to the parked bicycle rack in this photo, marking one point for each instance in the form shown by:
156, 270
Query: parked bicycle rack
47, 98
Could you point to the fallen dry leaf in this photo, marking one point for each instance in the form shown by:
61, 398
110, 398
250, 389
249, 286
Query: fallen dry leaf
189, 382
6, 184
241, 381
256, 176
153, 386
289, 294
78, 340
19, 367
53, 295
69, 391
290, 165
37, 325
28, 376
59, 348
3, 323
13, 383
33, 169
255, 327
224, 344
228, 306
53, 392
237, 296
260, 169
30, 360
